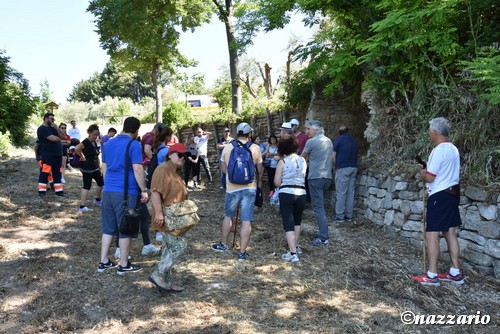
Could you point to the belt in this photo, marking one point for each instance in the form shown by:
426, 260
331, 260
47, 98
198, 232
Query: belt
292, 186
453, 190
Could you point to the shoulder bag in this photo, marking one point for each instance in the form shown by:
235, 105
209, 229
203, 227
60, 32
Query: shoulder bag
131, 216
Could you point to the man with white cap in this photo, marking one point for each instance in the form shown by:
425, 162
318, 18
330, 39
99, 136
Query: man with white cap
240, 193
286, 130
300, 136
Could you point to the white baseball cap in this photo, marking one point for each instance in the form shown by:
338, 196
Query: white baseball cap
286, 126
243, 129
294, 121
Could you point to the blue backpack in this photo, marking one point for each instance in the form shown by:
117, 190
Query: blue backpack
241, 168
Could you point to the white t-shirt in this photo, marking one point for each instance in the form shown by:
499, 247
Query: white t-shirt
202, 144
444, 165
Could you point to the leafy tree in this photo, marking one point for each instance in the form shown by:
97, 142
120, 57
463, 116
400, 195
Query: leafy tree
144, 34
190, 85
114, 81
87, 90
16, 102
45, 93
486, 73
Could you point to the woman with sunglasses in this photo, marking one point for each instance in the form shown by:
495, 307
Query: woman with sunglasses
167, 188
65, 144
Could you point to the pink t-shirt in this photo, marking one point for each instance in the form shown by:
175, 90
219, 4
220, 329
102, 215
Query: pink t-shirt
148, 139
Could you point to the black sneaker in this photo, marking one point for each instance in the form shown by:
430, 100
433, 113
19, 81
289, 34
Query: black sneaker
128, 269
103, 266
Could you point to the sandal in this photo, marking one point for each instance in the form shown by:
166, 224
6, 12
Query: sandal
172, 288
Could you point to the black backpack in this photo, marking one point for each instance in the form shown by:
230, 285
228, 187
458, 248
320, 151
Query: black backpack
152, 166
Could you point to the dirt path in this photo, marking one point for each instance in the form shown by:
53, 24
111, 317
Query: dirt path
360, 284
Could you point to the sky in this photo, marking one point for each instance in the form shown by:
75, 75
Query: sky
55, 40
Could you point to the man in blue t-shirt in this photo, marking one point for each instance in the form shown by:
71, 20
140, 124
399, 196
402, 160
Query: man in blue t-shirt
113, 170
50, 138
345, 160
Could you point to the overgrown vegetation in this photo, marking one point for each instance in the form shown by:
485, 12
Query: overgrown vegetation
417, 60
16, 104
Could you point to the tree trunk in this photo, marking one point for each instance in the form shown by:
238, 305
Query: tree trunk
267, 82
268, 117
234, 69
251, 90
226, 16
157, 90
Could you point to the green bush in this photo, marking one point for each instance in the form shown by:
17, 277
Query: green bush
5, 145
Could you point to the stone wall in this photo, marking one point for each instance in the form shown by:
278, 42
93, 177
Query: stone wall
396, 202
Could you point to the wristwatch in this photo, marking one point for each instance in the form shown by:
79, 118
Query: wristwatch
144, 191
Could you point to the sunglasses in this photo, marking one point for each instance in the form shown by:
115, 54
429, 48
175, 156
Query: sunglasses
63, 128
180, 155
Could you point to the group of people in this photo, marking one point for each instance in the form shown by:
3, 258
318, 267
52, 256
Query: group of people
296, 164
299, 165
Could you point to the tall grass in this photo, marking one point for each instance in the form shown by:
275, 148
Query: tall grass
398, 127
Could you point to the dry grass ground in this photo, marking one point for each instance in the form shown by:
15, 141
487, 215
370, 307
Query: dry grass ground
360, 284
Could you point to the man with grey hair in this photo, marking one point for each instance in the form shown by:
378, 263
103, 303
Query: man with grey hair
319, 151
442, 176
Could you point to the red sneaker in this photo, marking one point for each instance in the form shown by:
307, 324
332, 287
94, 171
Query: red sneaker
426, 280
459, 279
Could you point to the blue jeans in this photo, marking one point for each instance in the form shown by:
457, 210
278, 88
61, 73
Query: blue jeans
247, 199
317, 190
345, 179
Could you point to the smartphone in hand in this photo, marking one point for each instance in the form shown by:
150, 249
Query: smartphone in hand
421, 162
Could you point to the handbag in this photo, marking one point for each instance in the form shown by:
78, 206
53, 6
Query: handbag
131, 217
275, 199
181, 217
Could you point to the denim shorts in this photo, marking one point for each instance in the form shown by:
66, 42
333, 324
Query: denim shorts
112, 212
247, 199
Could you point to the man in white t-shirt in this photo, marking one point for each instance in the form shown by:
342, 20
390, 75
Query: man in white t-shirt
201, 139
442, 175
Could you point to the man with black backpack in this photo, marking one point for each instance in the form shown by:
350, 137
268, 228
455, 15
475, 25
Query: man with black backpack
240, 160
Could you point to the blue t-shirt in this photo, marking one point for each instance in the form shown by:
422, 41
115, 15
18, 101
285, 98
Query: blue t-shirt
48, 149
162, 153
347, 151
114, 158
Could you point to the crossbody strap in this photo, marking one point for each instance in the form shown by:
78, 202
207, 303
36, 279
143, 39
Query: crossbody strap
125, 193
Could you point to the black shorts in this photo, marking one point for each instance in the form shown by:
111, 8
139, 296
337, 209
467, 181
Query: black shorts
442, 212
87, 179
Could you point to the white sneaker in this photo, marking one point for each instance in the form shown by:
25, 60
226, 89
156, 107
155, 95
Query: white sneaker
159, 237
289, 257
150, 250
84, 209
63, 180
98, 203
117, 254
